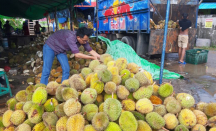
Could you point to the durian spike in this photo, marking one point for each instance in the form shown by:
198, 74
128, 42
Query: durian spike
164, 129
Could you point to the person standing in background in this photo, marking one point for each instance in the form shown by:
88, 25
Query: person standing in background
25, 28
7, 28
184, 25
37, 28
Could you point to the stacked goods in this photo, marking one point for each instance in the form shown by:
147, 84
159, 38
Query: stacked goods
161, 24
108, 96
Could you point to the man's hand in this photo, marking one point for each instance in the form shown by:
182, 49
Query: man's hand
95, 54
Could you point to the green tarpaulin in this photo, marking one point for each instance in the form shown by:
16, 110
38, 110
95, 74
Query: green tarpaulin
33, 9
119, 49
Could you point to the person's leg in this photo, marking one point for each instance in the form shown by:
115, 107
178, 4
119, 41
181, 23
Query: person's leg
179, 53
62, 58
182, 55
48, 57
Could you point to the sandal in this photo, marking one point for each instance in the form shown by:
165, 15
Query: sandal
182, 62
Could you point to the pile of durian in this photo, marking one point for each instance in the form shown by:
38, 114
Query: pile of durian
107, 95
161, 24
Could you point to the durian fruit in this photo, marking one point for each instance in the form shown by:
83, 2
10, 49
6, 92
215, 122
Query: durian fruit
198, 127
101, 107
155, 120
138, 115
142, 78
105, 75
111, 64
11, 103
88, 96
97, 84
35, 113
112, 108
211, 122
171, 121
89, 110
113, 127
88, 79
68, 93
114, 70
155, 100
61, 124
71, 107
29, 123
50, 119
173, 106
117, 79
100, 98
165, 90
59, 93
19, 105
51, 87
128, 105
106, 96
23, 127
77, 83
155, 89
85, 71
130, 96
66, 82
201, 105
125, 74
18, 117
187, 118
39, 96
170, 98
149, 76
181, 128
100, 121
132, 84
121, 63
94, 64
100, 68
144, 106
39, 85
50, 105
21, 96
201, 117
1, 124
127, 121
143, 92
122, 92
210, 109
30, 89
89, 128
110, 87
27, 106
75, 123
160, 109
133, 68
59, 110
143, 126
105, 58
6, 118
51, 128
186, 100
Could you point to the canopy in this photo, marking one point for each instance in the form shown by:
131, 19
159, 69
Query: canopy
210, 5
33, 9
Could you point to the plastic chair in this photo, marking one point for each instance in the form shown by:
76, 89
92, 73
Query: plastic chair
5, 90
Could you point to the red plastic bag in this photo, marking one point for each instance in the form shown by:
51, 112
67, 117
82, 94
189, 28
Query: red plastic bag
7, 68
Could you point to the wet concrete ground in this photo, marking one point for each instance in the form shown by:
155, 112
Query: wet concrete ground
199, 80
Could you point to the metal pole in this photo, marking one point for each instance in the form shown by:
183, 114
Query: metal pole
97, 20
164, 41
